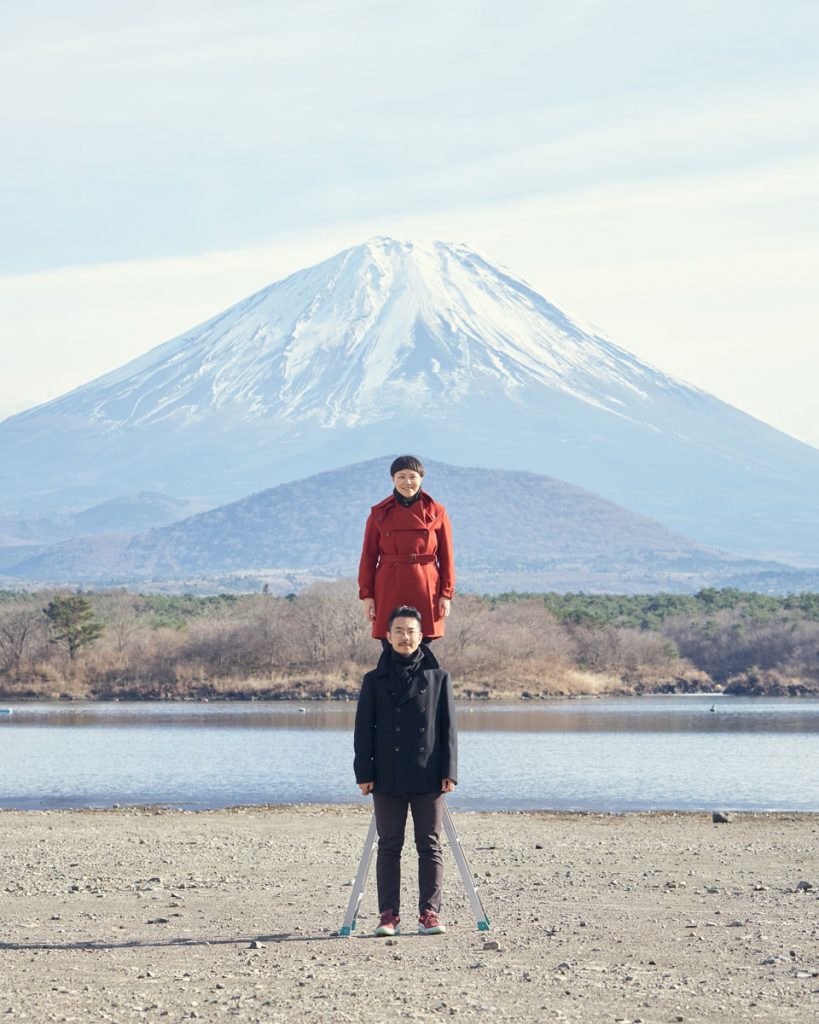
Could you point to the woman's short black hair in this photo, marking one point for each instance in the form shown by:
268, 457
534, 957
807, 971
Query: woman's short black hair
407, 462
403, 611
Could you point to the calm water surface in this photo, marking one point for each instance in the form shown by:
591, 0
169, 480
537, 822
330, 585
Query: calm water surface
700, 752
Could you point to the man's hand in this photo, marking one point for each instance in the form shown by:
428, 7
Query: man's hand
369, 609
447, 785
443, 607
366, 788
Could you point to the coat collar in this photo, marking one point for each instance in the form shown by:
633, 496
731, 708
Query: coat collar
428, 661
429, 509
418, 682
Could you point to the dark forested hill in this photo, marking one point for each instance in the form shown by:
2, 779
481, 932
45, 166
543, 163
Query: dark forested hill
513, 530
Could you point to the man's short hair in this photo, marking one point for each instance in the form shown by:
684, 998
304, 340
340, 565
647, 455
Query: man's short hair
407, 462
403, 611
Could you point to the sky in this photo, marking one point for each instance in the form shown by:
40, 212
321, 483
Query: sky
651, 167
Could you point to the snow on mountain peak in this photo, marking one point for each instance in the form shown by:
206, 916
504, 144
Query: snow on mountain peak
388, 323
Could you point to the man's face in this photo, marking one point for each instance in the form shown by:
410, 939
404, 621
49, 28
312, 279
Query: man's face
404, 635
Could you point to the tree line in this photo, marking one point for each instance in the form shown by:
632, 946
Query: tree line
116, 644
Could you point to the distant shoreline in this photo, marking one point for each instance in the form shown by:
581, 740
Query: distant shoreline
328, 691
460, 700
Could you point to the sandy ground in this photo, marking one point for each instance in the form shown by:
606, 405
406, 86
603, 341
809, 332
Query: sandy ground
146, 915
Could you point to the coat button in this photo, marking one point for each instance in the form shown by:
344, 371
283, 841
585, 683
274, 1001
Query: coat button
398, 728
397, 748
420, 748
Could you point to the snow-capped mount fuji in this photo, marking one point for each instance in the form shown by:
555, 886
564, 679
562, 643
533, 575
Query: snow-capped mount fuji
396, 345
381, 326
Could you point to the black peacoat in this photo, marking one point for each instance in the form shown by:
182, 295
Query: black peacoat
406, 739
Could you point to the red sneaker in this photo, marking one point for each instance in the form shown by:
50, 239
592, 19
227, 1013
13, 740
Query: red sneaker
388, 925
428, 924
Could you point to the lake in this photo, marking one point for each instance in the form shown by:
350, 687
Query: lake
641, 753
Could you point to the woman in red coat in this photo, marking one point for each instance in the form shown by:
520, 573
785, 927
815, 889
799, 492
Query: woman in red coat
407, 554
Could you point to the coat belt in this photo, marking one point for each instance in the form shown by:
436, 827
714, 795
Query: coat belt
407, 559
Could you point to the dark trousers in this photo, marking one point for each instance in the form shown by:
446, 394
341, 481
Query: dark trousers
391, 819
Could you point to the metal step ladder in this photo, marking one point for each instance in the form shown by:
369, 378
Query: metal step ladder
360, 882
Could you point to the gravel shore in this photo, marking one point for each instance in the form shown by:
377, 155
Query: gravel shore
154, 915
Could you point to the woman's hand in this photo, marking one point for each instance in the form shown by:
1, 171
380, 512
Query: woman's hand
369, 609
443, 607
447, 785
366, 788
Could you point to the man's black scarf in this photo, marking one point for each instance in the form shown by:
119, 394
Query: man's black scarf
406, 502
402, 669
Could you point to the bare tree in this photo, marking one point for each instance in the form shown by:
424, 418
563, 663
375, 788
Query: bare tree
119, 614
20, 631
329, 622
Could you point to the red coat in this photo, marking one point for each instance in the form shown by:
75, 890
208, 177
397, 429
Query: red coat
407, 559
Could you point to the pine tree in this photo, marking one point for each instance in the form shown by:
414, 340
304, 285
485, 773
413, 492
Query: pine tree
72, 623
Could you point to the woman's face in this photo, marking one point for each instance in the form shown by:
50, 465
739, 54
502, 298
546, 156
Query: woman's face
407, 482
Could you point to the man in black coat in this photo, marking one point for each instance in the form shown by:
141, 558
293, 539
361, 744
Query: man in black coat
406, 755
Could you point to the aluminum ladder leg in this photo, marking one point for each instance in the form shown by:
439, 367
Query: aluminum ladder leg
366, 861
466, 875
360, 881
